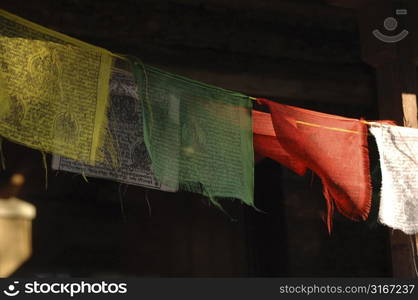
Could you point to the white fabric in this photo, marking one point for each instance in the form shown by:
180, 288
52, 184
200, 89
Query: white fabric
398, 149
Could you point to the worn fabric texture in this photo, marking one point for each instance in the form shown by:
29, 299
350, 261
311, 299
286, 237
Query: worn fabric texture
199, 137
266, 143
125, 124
398, 150
333, 147
53, 90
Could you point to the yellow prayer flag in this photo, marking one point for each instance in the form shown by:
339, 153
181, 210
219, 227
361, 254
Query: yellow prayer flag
53, 90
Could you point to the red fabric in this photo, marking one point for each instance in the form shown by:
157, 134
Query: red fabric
267, 145
333, 147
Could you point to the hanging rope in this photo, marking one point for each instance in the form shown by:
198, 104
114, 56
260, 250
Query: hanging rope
2, 160
45, 168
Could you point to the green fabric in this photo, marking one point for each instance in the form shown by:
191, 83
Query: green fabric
199, 137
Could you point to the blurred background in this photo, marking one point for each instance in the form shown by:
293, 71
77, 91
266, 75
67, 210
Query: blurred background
299, 52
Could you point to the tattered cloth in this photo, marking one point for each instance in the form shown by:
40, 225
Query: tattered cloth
398, 150
199, 137
333, 147
53, 90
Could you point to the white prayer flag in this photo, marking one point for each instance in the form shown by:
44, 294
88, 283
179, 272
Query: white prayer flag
398, 149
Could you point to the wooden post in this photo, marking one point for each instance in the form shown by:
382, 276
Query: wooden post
388, 34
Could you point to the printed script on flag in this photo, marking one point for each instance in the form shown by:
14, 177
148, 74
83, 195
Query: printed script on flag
125, 125
199, 137
53, 90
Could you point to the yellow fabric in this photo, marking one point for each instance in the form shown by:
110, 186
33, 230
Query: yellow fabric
53, 90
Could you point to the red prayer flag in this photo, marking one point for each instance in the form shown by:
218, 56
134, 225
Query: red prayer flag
267, 145
333, 147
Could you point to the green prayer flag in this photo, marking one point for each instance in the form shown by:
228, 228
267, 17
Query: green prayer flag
199, 137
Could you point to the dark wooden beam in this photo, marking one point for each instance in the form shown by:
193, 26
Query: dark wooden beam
355, 4
396, 71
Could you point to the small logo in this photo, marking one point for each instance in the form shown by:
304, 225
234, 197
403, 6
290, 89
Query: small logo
11, 290
391, 24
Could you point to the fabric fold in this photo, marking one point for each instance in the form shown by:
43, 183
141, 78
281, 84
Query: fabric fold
266, 144
333, 147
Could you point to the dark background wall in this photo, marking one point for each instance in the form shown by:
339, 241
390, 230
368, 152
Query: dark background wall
303, 53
